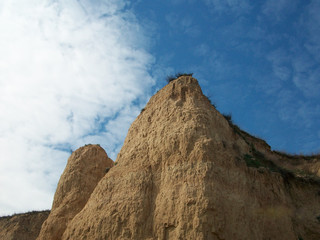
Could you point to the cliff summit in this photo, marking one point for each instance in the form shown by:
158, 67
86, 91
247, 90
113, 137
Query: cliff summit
186, 172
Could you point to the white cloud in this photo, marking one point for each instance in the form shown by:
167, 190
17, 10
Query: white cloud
63, 65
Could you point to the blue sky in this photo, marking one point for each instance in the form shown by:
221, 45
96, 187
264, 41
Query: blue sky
77, 72
258, 60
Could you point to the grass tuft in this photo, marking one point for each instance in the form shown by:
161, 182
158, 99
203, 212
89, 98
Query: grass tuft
171, 78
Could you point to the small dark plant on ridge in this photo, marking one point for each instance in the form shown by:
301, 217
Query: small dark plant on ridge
170, 78
228, 117
183, 74
212, 103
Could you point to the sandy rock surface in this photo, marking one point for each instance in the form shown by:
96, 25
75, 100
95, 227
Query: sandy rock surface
25, 226
85, 168
185, 172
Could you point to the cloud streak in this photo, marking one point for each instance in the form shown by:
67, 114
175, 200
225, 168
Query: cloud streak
236, 6
67, 68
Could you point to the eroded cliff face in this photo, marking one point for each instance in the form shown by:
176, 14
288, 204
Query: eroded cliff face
185, 172
85, 167
25, 226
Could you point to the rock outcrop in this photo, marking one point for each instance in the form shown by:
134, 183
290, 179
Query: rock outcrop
84, 170
185, 172
25, 226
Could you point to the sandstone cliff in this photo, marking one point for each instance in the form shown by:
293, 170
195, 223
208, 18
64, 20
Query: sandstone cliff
25, 226
84, 169
185, 172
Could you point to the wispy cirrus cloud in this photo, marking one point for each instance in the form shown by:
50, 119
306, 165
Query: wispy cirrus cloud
277, 43
306, 60
310, 23
280, 60
236, 6
70, 72
279, 9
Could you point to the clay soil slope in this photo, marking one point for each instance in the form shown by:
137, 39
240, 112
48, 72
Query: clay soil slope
85, 167
186, 172
25, 226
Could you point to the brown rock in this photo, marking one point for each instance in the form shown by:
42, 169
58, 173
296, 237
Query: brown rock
85, 167
25, 226
184, 172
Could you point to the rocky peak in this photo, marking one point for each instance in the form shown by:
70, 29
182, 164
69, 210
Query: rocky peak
175, 115
185, 172
84, 169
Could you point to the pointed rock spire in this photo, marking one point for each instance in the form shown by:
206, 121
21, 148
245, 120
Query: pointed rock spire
185, 172
85, 167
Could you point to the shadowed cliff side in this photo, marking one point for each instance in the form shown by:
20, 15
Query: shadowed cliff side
185, 172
